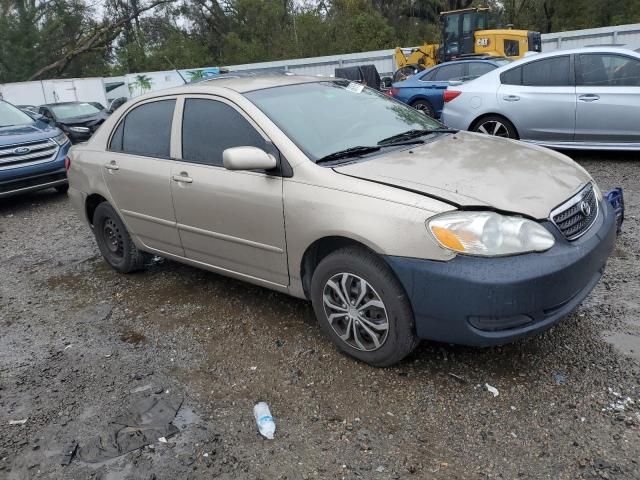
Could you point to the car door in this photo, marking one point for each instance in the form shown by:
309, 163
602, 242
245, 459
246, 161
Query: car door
539, 97
138, 172
436, 82
232, 220
608, 91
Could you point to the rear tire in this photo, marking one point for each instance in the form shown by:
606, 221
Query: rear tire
114, 241
371, 317
496, 126
425, 107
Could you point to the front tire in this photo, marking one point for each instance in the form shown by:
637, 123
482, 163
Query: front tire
496, 126
362, 307
62, 188
114, 241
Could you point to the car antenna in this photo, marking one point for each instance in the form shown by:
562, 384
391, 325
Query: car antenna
177, 71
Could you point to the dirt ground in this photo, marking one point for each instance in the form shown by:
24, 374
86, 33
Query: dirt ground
79, 343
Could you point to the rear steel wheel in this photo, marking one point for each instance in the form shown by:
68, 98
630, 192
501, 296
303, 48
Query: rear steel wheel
114, 241
355, 312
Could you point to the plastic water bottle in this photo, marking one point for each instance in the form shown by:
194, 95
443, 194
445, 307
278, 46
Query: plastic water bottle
265, 422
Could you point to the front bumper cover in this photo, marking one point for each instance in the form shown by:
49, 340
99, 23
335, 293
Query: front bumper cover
488, 301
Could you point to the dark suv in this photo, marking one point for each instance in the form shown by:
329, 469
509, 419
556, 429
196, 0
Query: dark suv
32, 153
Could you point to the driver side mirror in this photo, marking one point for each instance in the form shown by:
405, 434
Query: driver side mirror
386, 82
247, 158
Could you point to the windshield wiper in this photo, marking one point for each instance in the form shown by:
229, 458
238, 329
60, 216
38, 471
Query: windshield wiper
348, 152
409, 134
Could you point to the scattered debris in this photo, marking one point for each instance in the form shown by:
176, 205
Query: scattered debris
142, 423
266, 425
68, 452
457, 377
492, 390
254, 368
619, 405
142, 389
18, 422
380, 469
68, 346
162, 440
559, 378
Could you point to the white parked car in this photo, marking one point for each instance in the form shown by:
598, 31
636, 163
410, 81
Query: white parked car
586, 98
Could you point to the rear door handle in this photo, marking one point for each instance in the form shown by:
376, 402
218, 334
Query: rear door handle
589, 97
111, 166
511, 98
182, 178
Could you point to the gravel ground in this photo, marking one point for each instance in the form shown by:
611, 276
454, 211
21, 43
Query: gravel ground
80, 342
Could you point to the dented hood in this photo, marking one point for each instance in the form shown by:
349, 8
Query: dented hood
473, 170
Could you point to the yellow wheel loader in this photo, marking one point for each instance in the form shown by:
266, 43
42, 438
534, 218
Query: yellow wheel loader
465, 33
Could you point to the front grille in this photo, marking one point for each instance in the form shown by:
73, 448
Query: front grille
29, 153
31, 182
574, 217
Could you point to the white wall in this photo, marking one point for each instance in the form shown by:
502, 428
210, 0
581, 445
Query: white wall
51, 91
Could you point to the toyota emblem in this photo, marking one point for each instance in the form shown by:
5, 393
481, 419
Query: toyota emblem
585, 208
21, 150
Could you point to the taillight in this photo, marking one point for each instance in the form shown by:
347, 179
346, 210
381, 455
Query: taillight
451, 94
67, 163
392, 92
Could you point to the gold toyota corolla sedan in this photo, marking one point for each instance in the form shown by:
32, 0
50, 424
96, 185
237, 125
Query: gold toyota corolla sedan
395, 227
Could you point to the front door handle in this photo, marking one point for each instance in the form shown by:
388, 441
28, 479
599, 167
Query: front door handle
511, 98
182, 178
589, 97
111, 166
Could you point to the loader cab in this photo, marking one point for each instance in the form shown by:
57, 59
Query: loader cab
458, 29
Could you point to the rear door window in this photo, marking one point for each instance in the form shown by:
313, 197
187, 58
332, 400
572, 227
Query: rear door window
449, 72
550, 72
146, 130
607, 70
477, 69
209, 127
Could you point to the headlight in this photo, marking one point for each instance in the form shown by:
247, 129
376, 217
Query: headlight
79, 129
489, 234
60, 139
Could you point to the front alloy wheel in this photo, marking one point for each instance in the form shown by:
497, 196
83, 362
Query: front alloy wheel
362, 307
355, 312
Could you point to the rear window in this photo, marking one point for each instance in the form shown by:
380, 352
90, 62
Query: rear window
146, 130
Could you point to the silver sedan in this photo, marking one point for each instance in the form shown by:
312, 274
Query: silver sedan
586, 98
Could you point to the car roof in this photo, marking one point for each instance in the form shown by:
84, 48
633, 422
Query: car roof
479, 58
243, 84
556, 53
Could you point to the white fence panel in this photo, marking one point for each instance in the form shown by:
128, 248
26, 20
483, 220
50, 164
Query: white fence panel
622, 35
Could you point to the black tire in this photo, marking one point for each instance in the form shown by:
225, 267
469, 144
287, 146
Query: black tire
425, 107
114, 241
400, 338
62, 188
487, 125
